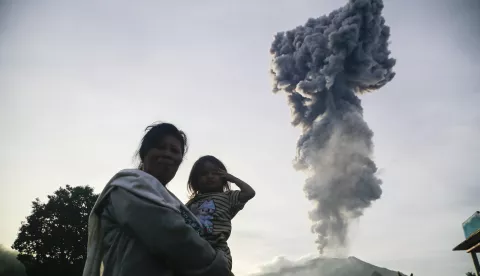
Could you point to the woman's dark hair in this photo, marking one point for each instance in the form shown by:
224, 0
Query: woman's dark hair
195, 173
155, 133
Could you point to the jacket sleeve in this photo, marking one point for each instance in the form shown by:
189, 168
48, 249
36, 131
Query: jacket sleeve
164, 232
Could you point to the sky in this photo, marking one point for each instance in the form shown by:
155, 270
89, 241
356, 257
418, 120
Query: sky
80, 80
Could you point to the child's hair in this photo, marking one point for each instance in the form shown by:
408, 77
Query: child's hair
193, 185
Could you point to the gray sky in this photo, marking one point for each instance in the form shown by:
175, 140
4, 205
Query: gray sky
79, 80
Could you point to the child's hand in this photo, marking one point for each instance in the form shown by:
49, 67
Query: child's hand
225, 175
246, 192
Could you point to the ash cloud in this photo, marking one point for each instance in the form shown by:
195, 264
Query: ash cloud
322, 67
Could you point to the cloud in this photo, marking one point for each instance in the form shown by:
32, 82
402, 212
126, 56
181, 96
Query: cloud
281, 263
322, 67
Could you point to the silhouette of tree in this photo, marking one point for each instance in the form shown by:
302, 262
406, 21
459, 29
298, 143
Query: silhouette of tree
470, 274
53, 240
9, 265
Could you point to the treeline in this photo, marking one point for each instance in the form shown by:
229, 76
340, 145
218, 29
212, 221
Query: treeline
9, 264
53, 239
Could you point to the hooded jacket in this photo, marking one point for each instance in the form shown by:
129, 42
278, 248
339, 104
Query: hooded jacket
138, 227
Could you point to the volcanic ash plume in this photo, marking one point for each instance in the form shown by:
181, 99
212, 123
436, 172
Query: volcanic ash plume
322, 66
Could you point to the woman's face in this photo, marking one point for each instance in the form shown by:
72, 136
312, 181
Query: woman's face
163, 161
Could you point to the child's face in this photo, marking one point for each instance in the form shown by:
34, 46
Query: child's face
209, 180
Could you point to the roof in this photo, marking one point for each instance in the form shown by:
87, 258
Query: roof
472, 244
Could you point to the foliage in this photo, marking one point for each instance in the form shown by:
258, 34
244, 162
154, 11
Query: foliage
9, 265
53, 240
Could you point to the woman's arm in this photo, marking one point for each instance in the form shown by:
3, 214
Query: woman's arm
164, 232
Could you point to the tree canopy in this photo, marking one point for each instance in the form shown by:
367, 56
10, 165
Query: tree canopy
53, 240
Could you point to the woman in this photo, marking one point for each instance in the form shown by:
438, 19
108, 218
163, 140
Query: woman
137, 227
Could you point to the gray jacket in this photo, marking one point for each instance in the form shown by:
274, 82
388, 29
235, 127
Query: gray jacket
141, 238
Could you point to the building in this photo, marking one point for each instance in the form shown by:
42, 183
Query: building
471, 244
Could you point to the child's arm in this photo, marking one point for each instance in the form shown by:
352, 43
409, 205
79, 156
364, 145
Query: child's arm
246, 191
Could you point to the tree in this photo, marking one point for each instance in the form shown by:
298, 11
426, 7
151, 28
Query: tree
53, 240
9, 265
470, 274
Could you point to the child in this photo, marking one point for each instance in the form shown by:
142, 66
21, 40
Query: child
212, 201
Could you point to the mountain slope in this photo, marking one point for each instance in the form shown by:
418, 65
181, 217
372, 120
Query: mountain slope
350, 266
